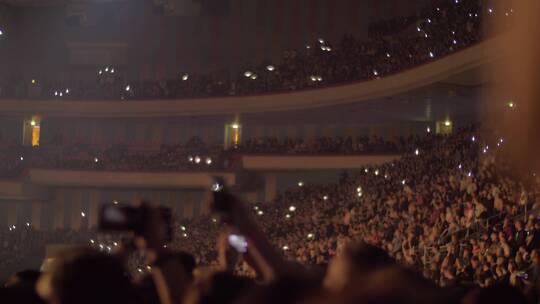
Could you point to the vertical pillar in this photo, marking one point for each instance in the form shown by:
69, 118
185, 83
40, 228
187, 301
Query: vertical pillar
12, 214
205, 204
310, 132
93, 209
270, 187
36, 215
76, 209
188, 209
252, 197
59, 210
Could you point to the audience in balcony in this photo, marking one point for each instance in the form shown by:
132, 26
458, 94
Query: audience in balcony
394, 45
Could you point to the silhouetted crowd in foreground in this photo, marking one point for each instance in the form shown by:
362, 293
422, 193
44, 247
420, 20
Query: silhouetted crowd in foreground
450, 222
393, 46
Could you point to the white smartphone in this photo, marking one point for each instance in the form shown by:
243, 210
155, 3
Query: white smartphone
238, 242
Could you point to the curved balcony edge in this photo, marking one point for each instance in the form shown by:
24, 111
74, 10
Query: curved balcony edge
429, 73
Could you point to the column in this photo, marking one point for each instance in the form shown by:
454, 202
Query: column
36, 215
252, 197
93, 209
270, 187
59, 210
205, 204
76, 209
12, 214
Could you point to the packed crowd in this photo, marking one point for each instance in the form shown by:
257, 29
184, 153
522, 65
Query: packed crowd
322, 145
442, 209
394, 45
193, 155
452, 209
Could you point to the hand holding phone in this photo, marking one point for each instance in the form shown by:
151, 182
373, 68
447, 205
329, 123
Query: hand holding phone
238, 242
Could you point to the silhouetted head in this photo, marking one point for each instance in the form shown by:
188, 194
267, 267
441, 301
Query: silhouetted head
355, 262
85, 277
187, 261
501, 293
219, 288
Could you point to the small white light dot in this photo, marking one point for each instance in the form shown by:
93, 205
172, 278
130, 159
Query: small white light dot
270, 68
403, 182
431, 54
96, 160
325, 197
248, 73
287, 216
21, 158
128, 88
185, 77
292, 208
285, 247
83, 214
310, 236
260, 212
300, 184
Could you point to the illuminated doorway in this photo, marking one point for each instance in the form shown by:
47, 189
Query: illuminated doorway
233, 135
444, 127
32, 131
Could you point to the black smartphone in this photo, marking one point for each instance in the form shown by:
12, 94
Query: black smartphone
113, 217
222, 199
